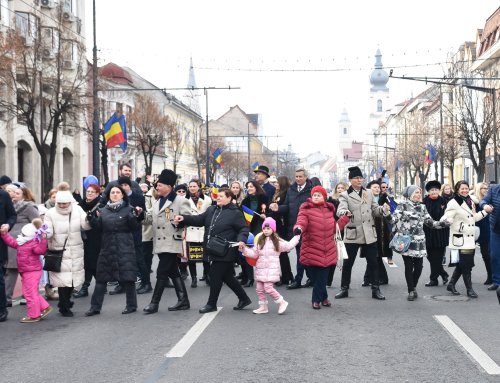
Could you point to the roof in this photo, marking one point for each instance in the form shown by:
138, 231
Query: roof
115, 73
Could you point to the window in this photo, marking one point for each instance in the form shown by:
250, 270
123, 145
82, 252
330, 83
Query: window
50, 40
27, 25
5, 12
345, 131
379, 105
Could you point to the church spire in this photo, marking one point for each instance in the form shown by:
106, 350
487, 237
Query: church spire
191, 96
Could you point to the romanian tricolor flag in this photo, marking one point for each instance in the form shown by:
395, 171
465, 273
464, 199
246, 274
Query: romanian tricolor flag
255, 166
248, 213
115, 132
430, 154
214, 192
218, 157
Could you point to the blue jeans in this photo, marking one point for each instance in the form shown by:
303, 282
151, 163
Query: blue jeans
319, 276
495, 257
3, 298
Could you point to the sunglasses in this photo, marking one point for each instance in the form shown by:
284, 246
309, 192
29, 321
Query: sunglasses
181, 191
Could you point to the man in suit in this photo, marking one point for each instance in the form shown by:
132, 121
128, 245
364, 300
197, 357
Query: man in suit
297, 194
491, 205
358, 204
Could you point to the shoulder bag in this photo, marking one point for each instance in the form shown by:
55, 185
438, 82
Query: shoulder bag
217, 246
53, 258
400, 243
341, 250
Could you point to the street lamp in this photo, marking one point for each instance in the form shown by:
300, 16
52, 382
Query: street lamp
493, 93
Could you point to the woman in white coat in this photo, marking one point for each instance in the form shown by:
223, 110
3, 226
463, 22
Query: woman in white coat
65, 222
461, 211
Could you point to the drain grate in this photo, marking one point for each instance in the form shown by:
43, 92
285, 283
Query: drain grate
450, 298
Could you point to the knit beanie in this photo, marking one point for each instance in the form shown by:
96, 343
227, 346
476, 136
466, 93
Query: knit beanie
29, 230
409, 190
64, 196
269, 222
319, 189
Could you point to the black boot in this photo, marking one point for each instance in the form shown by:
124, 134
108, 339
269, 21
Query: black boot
84, 291
344, 293
155, 299
194, 282
376, 294
468, 284
144, 288
453, 280
117, 290
182, 296
168, 284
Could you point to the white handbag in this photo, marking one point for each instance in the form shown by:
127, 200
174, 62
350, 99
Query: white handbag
341, 250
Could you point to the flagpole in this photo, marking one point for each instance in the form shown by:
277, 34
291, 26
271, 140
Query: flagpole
96, 168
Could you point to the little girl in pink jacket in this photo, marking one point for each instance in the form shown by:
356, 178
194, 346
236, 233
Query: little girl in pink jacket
30, 244
267, 249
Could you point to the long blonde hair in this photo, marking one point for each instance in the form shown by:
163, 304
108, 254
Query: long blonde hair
477, 190
335, 195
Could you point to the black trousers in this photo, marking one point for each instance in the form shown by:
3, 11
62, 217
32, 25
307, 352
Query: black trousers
141, 264
331, 273
369, 251
382, 273
147, 253
167, 267
247, 271
89, 273
3, 297
435, 257
223, 272
100, 290
413, 270
485, 253
64, 298
183, 266
286, 268
206, 267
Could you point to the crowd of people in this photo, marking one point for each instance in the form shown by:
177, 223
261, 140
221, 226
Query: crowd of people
111, 235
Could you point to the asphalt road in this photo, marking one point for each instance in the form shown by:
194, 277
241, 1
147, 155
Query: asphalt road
358, 339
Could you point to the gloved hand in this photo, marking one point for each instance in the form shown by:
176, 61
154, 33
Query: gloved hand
297, 231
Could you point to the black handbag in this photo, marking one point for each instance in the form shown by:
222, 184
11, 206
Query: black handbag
53, 258
217, 246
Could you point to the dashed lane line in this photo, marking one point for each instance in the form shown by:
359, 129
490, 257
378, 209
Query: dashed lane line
192, 335
468, 345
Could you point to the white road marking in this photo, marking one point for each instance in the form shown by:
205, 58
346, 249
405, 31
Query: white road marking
194, 332
468, 344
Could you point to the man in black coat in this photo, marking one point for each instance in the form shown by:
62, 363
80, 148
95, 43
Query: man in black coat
297, 194
261, 176
125, 170
8, 218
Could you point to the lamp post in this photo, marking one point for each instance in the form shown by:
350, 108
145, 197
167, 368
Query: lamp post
96, 168
493, 93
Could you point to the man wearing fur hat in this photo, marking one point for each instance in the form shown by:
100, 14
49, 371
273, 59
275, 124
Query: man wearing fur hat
8, 218
167, 240
359, 205
261, 176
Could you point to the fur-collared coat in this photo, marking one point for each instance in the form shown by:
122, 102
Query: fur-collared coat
361, 227
463, 227
166, 237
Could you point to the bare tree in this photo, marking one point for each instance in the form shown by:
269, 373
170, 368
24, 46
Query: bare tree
44, 72
175, 141
151, 128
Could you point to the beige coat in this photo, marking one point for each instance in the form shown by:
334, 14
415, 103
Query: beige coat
195, 234
361, 226
167, 238
59, 228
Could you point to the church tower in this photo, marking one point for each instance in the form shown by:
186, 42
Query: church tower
192, 98
344, 132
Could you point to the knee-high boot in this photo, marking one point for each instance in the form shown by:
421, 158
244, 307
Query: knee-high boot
467, 275
453, 280
182, 296
155, 299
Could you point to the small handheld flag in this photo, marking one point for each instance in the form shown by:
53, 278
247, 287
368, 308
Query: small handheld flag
218, 157
255, 166
248, 213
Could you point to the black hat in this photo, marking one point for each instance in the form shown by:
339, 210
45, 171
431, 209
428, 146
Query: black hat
167, 177
4, 180
374, 182
124, 180
355, 171
432, 185
262, 169
181, 187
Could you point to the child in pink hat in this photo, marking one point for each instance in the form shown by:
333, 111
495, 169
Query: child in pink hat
267, 249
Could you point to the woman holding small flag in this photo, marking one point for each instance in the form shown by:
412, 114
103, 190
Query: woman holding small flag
254, 207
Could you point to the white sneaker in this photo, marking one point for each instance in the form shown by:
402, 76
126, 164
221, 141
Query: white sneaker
262, 308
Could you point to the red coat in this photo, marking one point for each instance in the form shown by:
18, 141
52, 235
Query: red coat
317, 222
